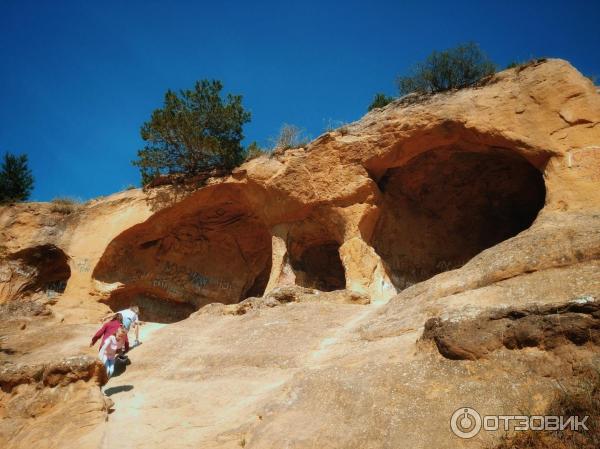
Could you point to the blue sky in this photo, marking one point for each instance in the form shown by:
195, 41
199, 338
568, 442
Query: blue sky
78, 78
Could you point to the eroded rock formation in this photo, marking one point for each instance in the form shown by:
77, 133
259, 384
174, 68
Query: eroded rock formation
49, 404
447, 205
42, 268
187, 256
353, 293
409, 191
547, 327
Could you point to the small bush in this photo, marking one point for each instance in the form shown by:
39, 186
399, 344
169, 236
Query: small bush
65, 205
290, 136
380, 100
454, 68
523, 64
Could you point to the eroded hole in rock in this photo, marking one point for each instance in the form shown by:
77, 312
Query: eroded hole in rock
39, 269
446, 205
188, 256
319, 266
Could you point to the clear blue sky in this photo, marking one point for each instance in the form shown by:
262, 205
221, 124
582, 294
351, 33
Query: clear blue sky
78, 78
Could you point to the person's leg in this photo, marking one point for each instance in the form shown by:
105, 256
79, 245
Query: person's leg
110, 367
104, 361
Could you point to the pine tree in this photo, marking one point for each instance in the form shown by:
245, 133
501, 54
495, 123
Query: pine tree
194, 131
16, 180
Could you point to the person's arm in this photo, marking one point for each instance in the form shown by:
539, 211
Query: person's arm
107, 317
98, 334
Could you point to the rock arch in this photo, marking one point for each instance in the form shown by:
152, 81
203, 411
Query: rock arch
211, 247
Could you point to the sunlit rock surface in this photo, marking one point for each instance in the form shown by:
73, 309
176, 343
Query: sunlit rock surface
440, 252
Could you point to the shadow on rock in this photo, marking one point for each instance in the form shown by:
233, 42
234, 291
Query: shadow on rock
120, 389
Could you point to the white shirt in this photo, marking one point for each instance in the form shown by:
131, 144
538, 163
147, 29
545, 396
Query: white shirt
129, 317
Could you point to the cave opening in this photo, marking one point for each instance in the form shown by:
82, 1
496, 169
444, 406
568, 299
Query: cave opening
43, 268
319, 266
445, 206
193, 254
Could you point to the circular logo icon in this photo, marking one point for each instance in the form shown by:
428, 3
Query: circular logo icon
465, 422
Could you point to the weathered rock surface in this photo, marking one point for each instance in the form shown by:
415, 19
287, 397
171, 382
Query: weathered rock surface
49, 404
441, 252
284, 295
548, 327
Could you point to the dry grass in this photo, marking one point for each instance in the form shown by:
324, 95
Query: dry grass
65, 205
290, 136
582, 400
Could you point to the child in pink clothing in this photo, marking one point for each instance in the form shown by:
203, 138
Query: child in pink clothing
110, 328
110, 348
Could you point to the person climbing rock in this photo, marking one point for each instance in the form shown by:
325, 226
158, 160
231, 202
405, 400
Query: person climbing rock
108, 351
130, 319
110, 328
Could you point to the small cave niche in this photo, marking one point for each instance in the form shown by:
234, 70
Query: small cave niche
319, 266
43, 268
445, 206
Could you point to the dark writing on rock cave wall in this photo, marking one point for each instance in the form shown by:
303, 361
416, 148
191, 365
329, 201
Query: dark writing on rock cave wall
178, 280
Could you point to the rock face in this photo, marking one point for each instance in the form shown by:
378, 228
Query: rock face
35, 269
440, 252
549, 327
49, 403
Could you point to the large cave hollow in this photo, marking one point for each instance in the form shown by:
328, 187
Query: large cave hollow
446, 205
42, 268
186, 257
319, 266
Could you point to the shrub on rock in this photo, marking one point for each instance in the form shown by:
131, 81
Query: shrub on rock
454, 68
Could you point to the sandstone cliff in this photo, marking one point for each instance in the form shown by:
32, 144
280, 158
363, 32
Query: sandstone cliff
440, 252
